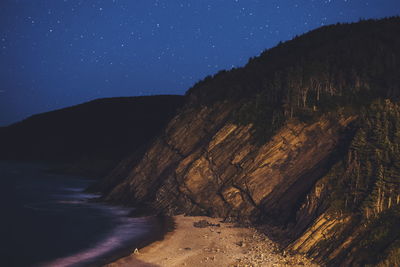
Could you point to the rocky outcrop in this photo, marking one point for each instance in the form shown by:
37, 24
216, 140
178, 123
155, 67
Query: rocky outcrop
204, 164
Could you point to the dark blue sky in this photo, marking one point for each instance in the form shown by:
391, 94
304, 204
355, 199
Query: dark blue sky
55, 53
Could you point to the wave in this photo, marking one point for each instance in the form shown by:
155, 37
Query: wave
126, 230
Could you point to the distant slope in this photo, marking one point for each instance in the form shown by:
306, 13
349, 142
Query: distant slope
103, 129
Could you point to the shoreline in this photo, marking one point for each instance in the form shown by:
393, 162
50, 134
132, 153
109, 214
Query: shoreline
205, 241
162, 226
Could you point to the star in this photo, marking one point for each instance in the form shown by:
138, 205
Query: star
160, 38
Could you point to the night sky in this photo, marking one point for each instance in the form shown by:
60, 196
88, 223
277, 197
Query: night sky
56, 53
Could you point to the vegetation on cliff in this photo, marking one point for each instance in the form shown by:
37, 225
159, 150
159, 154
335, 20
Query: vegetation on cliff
342, 65
365, 186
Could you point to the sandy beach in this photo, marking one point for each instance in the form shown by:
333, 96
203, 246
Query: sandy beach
211, 243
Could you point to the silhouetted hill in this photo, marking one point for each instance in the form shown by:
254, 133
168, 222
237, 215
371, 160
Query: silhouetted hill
103, 129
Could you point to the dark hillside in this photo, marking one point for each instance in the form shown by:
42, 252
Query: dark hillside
103, 129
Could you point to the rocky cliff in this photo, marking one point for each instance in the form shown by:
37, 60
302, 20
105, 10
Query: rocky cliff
206, 165
303, 139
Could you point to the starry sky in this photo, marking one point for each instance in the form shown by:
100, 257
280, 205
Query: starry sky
56, 53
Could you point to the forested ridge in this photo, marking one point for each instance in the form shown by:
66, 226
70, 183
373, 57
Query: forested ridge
338, 66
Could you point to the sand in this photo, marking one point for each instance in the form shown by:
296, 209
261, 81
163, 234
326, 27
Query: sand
224, 245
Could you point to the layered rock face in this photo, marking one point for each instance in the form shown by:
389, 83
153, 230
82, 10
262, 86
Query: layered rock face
204, 164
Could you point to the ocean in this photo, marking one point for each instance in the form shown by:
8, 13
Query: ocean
48, 220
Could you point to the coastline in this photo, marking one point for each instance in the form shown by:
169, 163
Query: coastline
162, 225
210, 243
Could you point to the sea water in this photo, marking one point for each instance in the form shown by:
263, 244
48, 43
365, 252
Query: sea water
48, 220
